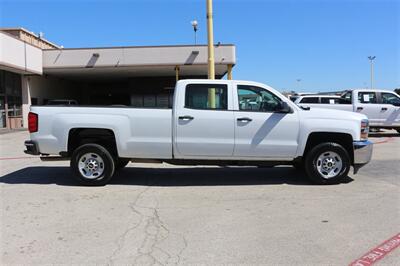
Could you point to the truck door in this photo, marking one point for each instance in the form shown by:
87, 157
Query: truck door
366, 103
390, 109
204, 122
260, 131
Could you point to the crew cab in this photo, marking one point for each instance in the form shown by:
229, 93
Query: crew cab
382, 107
212, 122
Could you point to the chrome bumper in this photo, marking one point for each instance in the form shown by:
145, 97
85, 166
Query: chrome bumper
362, 153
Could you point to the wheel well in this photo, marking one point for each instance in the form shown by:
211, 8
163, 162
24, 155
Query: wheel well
101, 136
315, 138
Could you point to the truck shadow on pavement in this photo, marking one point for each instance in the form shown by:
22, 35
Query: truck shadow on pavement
198, 176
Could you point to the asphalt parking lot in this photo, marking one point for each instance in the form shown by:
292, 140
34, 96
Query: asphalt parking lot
161, 214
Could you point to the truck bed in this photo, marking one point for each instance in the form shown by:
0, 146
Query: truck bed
139, 132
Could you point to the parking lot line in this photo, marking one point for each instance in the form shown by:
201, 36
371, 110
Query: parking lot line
17, 158
384, 141
378, 252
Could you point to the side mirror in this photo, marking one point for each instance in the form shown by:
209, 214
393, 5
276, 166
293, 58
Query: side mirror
284, 108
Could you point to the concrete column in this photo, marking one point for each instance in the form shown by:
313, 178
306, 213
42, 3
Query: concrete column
26, 99
177, 73
229, 72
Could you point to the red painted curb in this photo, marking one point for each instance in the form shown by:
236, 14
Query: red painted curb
378, 253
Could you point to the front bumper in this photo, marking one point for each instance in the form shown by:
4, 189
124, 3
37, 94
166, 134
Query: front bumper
362, 153
31, 148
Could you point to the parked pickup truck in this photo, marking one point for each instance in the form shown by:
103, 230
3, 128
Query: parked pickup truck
380, 106
212, 122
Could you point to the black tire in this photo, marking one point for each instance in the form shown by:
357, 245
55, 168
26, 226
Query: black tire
104, 161
121, 163
328, 149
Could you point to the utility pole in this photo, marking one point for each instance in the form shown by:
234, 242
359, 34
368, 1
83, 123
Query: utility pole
210, 33
371, 59
211, 64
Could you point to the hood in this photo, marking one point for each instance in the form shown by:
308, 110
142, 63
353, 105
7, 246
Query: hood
333, 114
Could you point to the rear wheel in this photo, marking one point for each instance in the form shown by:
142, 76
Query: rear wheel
327, 163
92, 165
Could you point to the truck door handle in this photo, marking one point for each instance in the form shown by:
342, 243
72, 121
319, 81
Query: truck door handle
244, 119
384, 109
359, 108
186, 117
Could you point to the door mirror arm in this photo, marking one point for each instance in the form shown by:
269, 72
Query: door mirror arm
284, 108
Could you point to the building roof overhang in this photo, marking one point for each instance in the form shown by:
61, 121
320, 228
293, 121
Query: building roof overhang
136, 61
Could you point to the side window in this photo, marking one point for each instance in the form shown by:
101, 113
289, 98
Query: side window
206, 96
367, 97
327, 100
346, 98
257, 99
390, 98
309, 100
343, 101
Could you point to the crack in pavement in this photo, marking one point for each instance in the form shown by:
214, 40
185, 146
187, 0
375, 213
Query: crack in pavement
149, 235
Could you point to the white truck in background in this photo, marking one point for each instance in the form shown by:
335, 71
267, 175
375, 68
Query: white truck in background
382, 107
212, 122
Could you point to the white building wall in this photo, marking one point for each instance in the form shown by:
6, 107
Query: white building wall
18, 56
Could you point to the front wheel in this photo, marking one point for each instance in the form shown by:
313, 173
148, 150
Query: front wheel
92, 165
327, 163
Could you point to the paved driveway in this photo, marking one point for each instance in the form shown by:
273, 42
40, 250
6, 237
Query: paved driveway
152, 214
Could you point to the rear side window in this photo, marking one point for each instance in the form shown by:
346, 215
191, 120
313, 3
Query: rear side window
327, 100
367, 97
309, 100
206, 96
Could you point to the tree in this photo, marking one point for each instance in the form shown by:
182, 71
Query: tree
397, 90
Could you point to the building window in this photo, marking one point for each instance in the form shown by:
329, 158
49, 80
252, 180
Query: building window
10, 98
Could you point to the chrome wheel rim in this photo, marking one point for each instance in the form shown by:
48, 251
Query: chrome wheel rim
329, 164
91, 165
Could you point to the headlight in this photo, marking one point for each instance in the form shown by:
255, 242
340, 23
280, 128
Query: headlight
364, 129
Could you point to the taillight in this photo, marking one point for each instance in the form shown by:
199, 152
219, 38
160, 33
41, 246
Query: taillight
33, 122
364, 129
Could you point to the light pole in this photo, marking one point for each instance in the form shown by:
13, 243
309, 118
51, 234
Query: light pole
194, 24
298, 83
210, 34
371, 59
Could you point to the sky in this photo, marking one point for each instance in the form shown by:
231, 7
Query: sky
322, 43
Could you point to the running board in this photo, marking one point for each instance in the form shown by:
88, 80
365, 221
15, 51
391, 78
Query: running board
53, 158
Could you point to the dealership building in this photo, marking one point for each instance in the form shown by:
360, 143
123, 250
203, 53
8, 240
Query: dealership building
34, 71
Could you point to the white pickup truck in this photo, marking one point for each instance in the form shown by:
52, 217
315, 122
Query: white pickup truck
212, 122
382, 107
